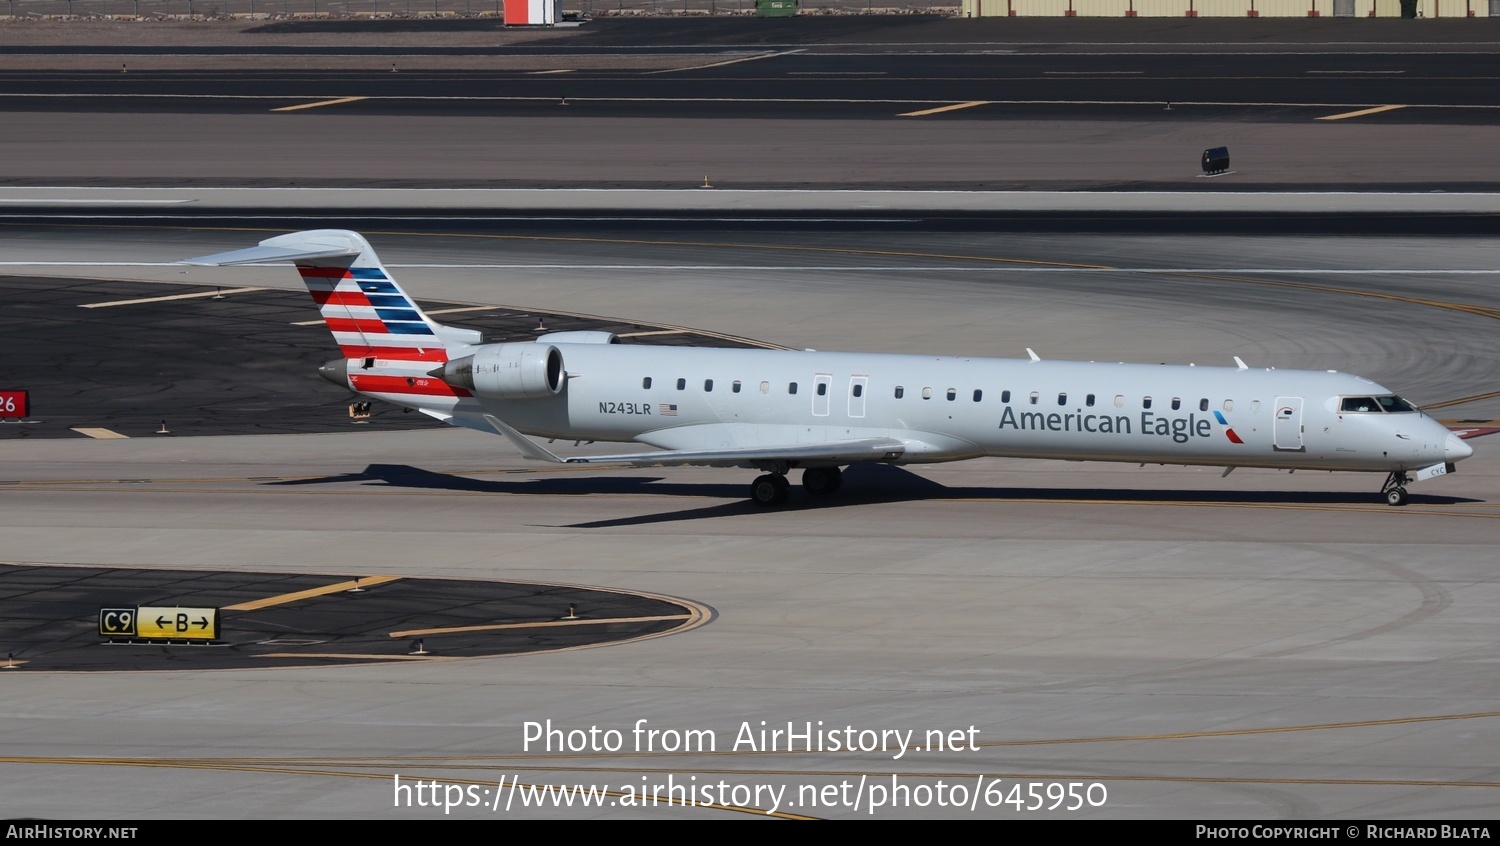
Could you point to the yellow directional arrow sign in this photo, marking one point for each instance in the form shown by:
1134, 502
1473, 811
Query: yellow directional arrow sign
176, 623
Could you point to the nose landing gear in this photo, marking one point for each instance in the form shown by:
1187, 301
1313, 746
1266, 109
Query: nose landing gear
1395, 488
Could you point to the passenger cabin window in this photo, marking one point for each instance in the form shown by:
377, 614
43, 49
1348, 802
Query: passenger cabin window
822, 389
765, 387
708, 385
681, 384
1089, 400
859, 390
900, 392
1119, 400
1359, 404
646, 383
952, 394
1203, 404
1005, 396
1145, 402
926, 393
1176, 403
1062, 399
735, 386
978, 395
1229, 405
791, 387
1034, 397
1254, 406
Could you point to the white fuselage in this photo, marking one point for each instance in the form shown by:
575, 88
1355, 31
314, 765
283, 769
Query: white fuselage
946, 408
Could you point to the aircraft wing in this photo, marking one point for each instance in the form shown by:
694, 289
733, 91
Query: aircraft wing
841, 452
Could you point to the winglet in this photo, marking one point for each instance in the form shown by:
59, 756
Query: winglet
1241, 363
529, 448
1032, 353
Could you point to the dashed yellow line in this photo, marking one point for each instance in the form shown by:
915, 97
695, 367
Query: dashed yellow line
340, 587
319, 104
955, 107
1361, 113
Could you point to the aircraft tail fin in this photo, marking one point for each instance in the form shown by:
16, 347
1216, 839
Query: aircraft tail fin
368, 313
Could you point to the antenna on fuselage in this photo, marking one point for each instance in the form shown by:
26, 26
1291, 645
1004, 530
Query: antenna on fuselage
1241, 363
1032, 353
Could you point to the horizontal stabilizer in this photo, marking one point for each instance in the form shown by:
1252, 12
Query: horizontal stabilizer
284, 248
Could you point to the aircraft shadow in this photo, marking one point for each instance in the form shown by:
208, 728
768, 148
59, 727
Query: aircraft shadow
863, 485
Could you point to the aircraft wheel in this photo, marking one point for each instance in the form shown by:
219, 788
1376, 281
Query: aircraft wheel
770, 490
821, 481
1395, 496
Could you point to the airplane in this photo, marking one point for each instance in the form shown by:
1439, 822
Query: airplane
779, 410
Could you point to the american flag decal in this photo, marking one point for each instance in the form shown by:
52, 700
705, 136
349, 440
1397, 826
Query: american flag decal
667, 409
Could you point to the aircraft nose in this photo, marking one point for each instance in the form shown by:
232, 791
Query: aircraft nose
1455, 449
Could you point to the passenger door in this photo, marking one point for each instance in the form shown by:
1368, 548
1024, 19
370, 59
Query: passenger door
1286, 427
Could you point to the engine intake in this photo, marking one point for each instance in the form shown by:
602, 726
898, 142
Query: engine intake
508, 371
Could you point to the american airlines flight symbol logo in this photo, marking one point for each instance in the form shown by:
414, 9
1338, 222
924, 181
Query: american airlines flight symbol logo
1228, 430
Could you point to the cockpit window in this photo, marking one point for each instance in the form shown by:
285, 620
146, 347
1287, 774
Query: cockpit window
1359, 404
1395, 404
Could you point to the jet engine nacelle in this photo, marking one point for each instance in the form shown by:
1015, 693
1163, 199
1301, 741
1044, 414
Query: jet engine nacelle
508, 371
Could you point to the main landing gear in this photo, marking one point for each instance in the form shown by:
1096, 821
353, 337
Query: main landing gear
773, 489
1395, 488
770, 490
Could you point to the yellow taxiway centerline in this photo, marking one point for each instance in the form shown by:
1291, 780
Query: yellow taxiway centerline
319, 104
950, 108
1360, 113
541, 625
359, 656
340, 587
219, 292
653, 332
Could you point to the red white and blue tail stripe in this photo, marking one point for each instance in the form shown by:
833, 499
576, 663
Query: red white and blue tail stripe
374, 321
369, 315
